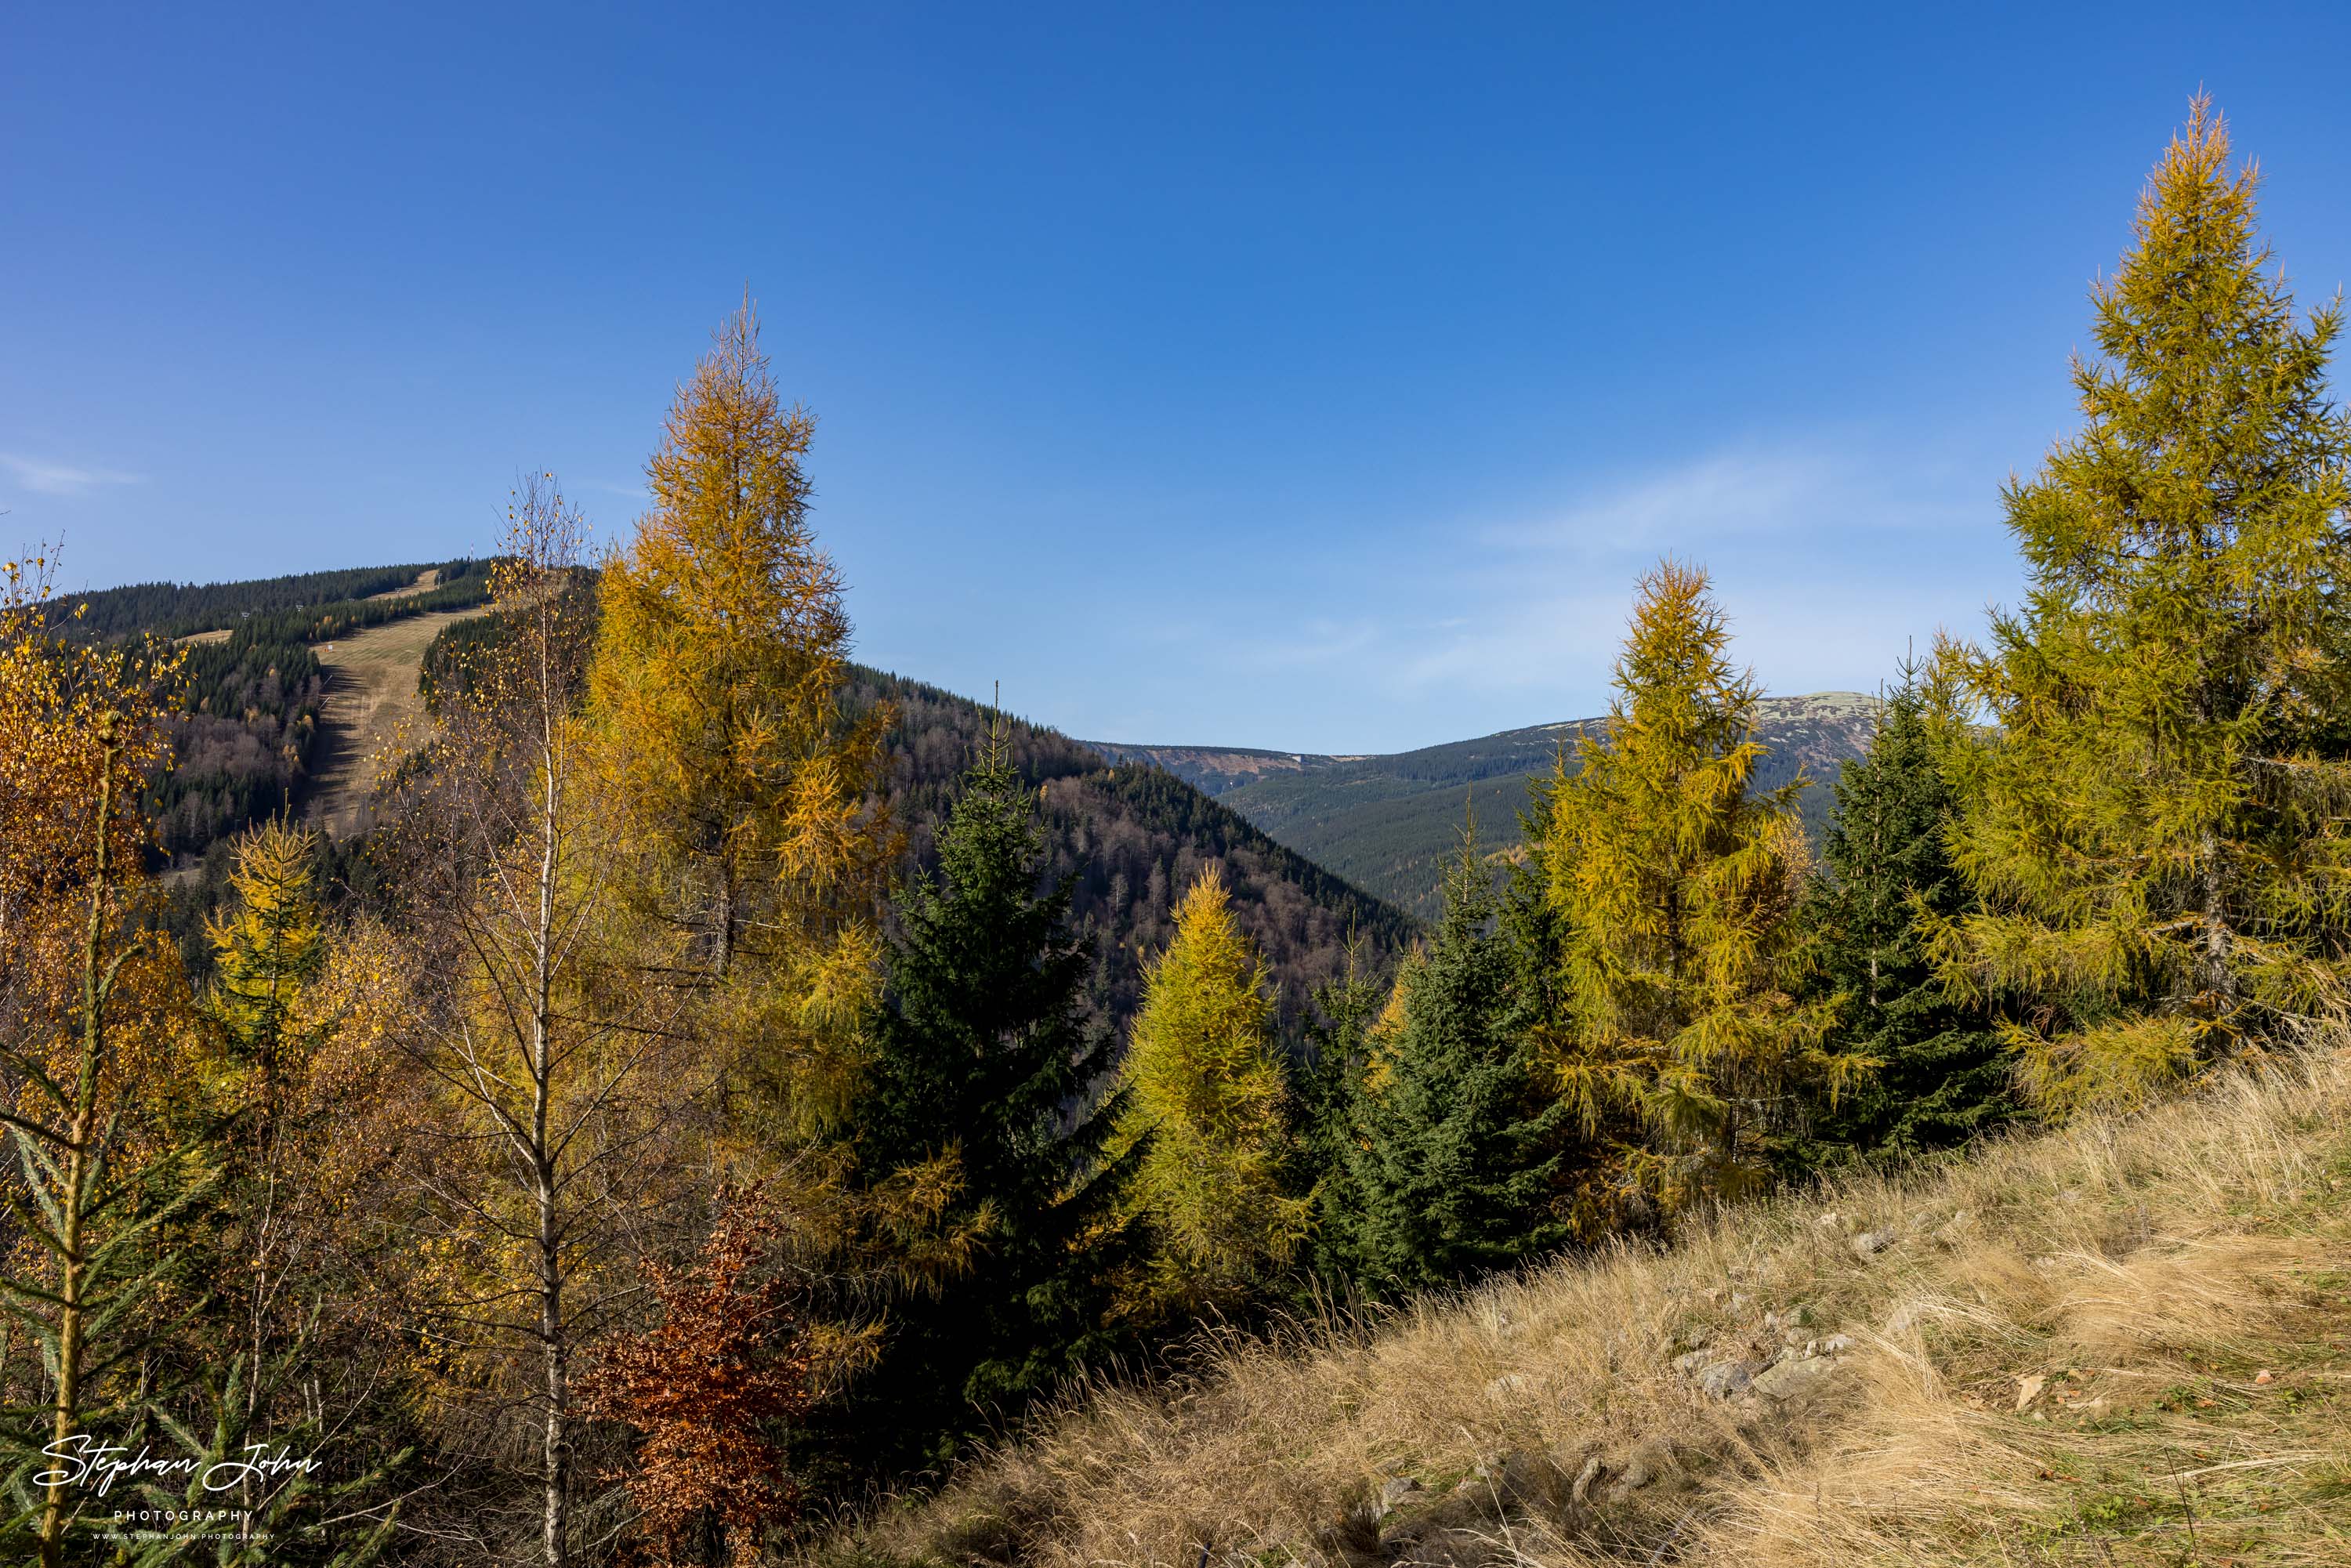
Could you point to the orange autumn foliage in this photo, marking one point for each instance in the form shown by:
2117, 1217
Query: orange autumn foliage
730, 1355
752, 796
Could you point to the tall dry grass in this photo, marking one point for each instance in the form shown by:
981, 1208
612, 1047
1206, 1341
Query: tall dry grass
2122, 1342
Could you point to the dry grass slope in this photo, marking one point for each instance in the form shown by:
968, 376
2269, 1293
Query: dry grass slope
2127, 1342
426, 581
371, 703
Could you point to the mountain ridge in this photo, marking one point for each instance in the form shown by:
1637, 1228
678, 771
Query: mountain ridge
1386, 823
1128, 841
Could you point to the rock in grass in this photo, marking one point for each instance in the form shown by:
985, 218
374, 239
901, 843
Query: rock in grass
1726, 1379
1794, 1378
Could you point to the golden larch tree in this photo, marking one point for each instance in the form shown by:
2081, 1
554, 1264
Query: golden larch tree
716, 688
93, 1025
1674, 879
2153, 818
558, 1122
1208, 1104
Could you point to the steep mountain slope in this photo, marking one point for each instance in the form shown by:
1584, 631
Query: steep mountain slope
1133, 839
372, 698
344, 651
1388, 823
2129, 1342
1129, 840
265, 659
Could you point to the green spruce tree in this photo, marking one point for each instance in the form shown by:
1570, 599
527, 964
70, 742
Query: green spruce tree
2154, 828
1328, 1079
1943, 1074
982, 1061
1455, 1170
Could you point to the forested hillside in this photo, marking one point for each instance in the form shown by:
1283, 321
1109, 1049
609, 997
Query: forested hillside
1390, 823
1129, 839
1133, 839
187, 608
244, 730
245, 733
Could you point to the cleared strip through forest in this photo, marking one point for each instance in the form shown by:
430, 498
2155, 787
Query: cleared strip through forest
372, 705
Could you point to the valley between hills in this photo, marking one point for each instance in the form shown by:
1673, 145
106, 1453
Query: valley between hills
1381, 823
1389, 823
1321, 851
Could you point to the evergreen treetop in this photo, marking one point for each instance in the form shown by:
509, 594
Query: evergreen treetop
1455, 1161
2154, 826
1331, 1078
980, 1057
1943, 1074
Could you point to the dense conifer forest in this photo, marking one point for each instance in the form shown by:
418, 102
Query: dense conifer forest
244, 726
186, 608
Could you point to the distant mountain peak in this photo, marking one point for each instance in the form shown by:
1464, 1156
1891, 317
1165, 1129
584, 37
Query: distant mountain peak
1388, 822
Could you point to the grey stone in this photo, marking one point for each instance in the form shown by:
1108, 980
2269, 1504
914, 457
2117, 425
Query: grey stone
1519, 1477
1726, 1379
1645, 1464
1651, 1463
1870, 1243
1793, 1379
1399, 1490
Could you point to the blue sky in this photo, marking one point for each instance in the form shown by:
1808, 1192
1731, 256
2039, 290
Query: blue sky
1312, 378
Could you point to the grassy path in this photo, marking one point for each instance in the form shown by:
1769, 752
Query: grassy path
372, 711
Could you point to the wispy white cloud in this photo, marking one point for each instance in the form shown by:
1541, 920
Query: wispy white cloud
1315, 643
1814, 544
1523, 643
45, 478
1830, 554
1742, 490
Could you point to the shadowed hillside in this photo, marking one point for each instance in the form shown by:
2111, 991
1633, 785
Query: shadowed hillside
1134, 838
1389, 823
